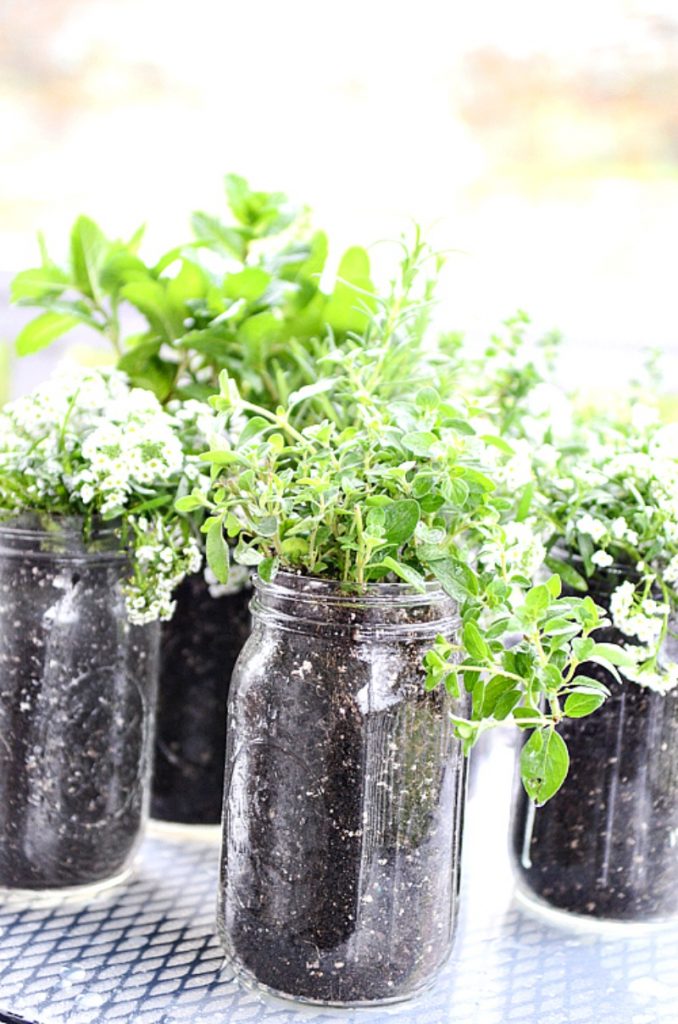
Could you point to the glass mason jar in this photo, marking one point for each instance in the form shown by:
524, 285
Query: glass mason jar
199, 648
344, 795
77, 689
605, 847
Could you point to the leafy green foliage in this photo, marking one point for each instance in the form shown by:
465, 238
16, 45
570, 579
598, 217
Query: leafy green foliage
396, 483
544, 763
244, 296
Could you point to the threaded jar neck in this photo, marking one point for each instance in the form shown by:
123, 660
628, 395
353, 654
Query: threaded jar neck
41, 535
379, 611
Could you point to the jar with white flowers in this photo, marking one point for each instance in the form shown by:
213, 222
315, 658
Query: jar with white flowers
606, 847
90, 553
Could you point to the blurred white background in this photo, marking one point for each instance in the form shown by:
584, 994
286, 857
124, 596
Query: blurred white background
540, 141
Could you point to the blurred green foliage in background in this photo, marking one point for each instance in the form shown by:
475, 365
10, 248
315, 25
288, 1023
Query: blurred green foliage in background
5, 351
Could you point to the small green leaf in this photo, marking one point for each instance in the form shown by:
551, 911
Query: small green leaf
349, 305
457, 579
506, 704
479, 481
266, 526
89, 247
474, 642
217, 552
427, 398
150, 298
244, 554
525, 717
419, 442
319, 387
422, 484
537, 600
145, 368
559, 626
257, 328
221, 458
461, 427
233, 526
189, 284
189, 503
525, 502
457, 491
552, 678
544, 763
579, 705
498, 442
255, 426
249, 284
495, 689
400, 521
567, 573
406, 573
228, 240
586, 684
42, 331
614, 654
268, 568
38, 283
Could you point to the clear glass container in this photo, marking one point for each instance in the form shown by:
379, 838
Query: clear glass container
604, 849
77, 691
344, 796
199, 648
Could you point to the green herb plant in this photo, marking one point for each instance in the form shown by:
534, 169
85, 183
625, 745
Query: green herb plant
610, 504
396, 483
88, 448
246, 296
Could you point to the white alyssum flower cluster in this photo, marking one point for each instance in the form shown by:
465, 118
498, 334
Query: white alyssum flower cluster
88, 444
522, 552
643, 618
620, 507
156, 557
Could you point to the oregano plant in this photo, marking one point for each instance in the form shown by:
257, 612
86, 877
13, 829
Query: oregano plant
396, 483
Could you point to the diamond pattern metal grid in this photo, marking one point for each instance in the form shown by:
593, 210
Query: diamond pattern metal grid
147, 953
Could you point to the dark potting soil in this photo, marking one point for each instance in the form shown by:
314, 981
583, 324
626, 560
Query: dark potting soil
199, 649
606, 845
345, 799
76, 695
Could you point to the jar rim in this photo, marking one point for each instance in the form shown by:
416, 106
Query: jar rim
47, 534
31, 521
336, 591
303, 604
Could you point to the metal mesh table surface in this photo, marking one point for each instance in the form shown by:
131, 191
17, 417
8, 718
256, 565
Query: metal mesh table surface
147, 953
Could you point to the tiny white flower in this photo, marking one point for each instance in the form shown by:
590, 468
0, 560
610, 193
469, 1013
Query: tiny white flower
592, 527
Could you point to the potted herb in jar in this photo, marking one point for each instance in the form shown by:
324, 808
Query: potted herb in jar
244, 295
605, 847
90, 552
375, 661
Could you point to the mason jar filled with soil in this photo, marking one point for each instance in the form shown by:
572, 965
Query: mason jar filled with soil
605, 847
344, 795
199, 648
77, 692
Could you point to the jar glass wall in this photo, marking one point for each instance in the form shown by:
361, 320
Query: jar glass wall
199, 649
344, 795
77, 691
605, 847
